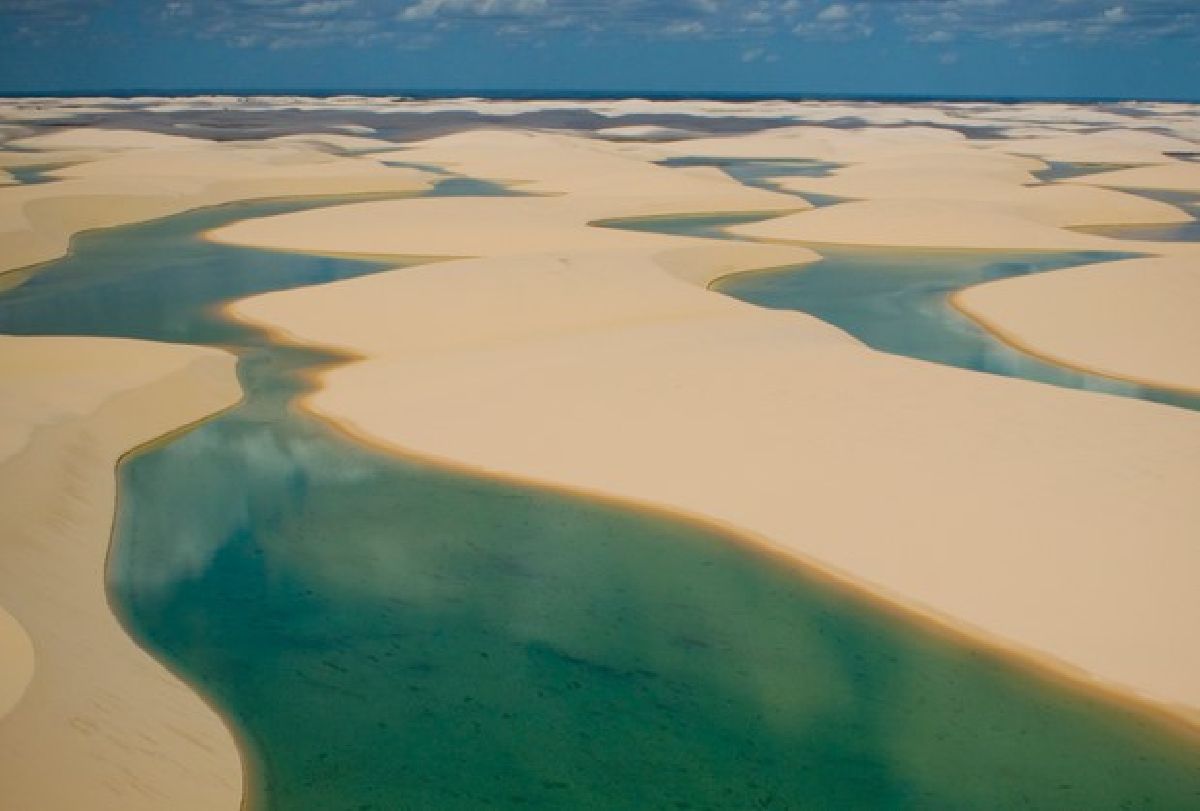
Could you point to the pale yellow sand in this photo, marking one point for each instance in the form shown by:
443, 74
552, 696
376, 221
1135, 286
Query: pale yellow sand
1134, 319
334, 142
923, 222
93, 138
817, 143
1052, 204
646, 132
1109, 146
596, 175
1175, 176
16, 651
100, 725
50, 157
167, 177
1060, 522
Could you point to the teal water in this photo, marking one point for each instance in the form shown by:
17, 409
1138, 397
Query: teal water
30, 175
387, 634
1063, 170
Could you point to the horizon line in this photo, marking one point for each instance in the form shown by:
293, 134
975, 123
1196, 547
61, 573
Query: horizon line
573, 94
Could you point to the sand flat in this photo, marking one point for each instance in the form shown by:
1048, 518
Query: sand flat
120, 731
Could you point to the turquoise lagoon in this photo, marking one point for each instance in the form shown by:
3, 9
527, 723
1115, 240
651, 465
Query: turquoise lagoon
898, 300
384, 633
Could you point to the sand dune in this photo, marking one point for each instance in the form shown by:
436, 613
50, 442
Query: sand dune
1051, 204
1175, 176
1107, 146
120, 731
1134, 319
16, 650
97, 138
603, 368
818, 143
333, 142
923, 223
136, 184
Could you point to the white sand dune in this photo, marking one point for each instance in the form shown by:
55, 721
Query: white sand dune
87, 719
96, 138
1175, 176
137, 184
817, 143
16, 651
1131, 319
643, 132
915, 223
1051, 204
341, 144
14, 159
1108, 146
603, 368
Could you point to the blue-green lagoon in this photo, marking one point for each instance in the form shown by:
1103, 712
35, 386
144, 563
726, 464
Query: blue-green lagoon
384, 633
898, 300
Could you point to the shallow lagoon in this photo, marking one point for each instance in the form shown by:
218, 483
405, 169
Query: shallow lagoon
899, 300
384, 633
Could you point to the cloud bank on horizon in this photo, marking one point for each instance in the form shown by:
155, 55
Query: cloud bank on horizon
758, 31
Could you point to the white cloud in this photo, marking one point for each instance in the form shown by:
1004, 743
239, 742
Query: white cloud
322, 8
429, 9
836, 22
683, 28
1116, 14
835, 13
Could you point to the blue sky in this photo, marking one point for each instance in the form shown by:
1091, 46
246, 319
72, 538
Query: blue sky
1111, 48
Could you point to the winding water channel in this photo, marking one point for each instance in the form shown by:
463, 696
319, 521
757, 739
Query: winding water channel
382, 633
